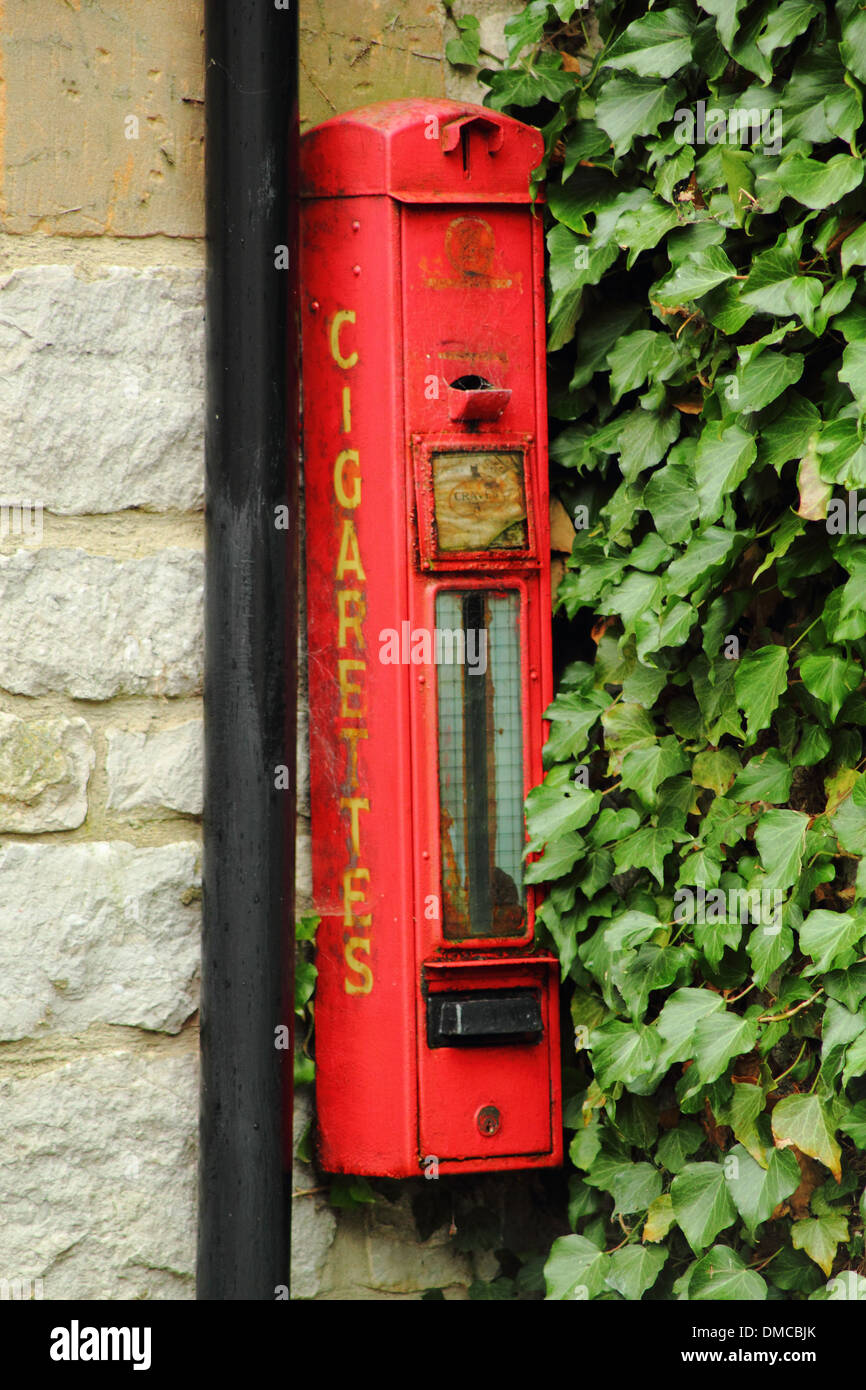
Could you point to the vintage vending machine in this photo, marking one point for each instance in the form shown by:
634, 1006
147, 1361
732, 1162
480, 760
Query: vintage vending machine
428, 594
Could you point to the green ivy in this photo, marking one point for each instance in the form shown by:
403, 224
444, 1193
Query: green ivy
703, 813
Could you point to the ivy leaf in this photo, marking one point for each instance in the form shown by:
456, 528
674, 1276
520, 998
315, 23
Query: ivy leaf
676, 1147
814, 491
584, 141
724, 309
756, 1190
847, 986
586, 1145
825, 935
652, 967
524, 28
521, 87
718, 1038
597, 869
622, 1052
644, 440
852, 49
465, 50
559, 858
738, 175
637, 356
775, 285
787, 437
695, 277
305, 984
854, 246
660, 1218
817, 183
656, 45
830, 677
570, 273
612, 826
575, 1268
717, 769
705, 554
634, 1269
635, 1187
805, 1122
853, 1123
670, 497
813, 747
644, 769
765, 778
703, 870
640, 229
781, 840
553, 810
746, 1104
646, 848
785, 24
680, 1017
702, 1203
849, 822
819, 1238
723, 459
853, 369
767, 950
764, 378
631, 106
839, 1027
572, 716
726, 15
760, 680
721, 1275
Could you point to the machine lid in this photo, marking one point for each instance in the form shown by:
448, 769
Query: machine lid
421, 151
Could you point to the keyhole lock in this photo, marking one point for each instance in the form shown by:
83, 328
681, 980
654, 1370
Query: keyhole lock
488, 1120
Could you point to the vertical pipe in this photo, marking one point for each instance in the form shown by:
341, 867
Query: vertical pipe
250, 647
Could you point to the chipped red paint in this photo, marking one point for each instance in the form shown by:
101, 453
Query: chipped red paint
422, 285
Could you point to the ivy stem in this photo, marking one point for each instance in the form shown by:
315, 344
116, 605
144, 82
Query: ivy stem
789, 1013
782, 1075
764, 1263
674, 939
630, 1233
742, 993
803, 634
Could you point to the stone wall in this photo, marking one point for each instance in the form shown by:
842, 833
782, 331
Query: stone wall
101, 418
101, 475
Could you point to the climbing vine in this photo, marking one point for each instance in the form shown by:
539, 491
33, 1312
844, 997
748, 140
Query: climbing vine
702, 818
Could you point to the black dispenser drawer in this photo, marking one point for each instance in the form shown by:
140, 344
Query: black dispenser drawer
484, 1018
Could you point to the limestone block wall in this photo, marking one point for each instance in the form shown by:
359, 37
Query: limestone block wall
101, 423
101, 533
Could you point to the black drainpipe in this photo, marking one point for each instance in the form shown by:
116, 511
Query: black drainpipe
250, 647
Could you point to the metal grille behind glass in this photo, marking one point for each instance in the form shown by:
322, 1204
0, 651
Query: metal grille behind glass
480, 740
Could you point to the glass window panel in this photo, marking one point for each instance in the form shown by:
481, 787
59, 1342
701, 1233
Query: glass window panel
480, 740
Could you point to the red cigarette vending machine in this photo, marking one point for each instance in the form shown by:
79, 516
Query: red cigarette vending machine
428, 587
